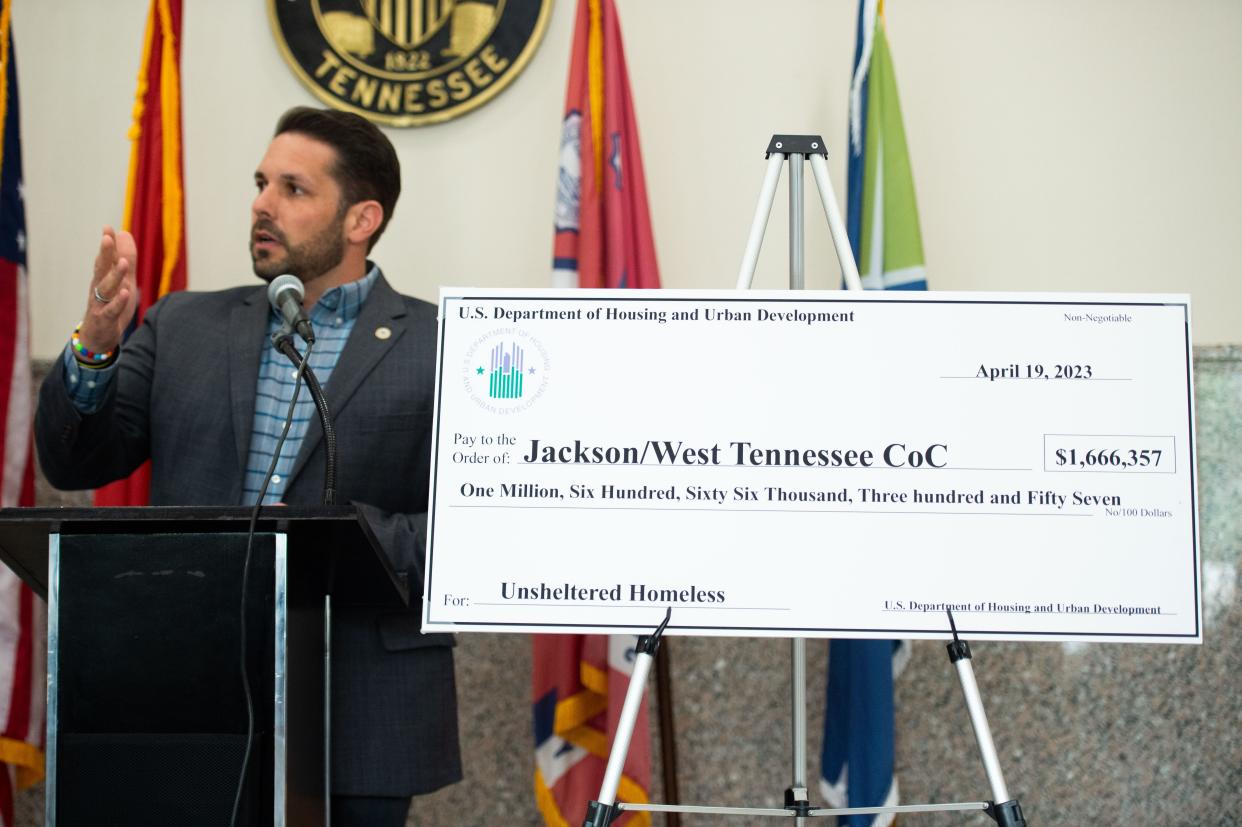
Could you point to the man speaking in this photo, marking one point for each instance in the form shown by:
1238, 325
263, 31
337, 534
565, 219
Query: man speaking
199, 391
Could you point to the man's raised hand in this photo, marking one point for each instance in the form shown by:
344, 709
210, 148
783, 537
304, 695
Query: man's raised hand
114, 293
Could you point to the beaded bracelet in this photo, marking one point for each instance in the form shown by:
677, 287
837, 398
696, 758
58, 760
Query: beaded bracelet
89, 358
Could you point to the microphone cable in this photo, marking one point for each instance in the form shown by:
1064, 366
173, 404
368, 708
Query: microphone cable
285, 345
254, 519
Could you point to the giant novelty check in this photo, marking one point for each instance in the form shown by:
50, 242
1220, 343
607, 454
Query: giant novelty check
814, 464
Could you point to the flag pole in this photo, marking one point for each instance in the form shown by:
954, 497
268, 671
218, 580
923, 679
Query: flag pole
668, 734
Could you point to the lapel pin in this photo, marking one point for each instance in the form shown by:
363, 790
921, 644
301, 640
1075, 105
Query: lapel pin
383, 333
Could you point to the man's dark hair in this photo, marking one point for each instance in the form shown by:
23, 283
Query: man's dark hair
366, 165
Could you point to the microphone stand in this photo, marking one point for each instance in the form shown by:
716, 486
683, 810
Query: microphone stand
282, 340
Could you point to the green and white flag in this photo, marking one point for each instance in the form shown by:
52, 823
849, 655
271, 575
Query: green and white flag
882, 216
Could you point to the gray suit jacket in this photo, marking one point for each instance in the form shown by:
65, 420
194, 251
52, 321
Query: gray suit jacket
184, 396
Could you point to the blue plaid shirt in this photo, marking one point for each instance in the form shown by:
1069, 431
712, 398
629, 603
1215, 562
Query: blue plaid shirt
333, 318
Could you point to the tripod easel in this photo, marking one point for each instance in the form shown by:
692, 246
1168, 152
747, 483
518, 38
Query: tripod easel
1005, 811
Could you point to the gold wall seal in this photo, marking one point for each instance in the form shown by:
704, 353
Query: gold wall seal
407, 62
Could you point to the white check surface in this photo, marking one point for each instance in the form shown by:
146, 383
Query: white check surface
815, 464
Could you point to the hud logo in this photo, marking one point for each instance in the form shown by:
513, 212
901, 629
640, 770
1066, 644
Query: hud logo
407, 62
504, 379
505, 371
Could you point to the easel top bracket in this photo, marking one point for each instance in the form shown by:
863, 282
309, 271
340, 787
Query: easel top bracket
796, 144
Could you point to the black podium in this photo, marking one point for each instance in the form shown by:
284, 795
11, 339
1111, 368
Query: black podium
146, 712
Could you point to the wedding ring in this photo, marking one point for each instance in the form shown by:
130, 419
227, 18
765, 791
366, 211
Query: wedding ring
99, 297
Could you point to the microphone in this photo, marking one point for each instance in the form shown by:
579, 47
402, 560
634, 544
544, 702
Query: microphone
285, 295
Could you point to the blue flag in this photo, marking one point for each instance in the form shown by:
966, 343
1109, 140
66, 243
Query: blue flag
883, 225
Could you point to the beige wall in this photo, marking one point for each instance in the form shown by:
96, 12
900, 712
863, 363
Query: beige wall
1056, 145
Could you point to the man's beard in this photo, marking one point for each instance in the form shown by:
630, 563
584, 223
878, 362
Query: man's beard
307, 261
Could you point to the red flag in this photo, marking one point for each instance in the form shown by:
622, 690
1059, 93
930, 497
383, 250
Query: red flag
154, 198
603, 230
603, 239
579, 687
22, 631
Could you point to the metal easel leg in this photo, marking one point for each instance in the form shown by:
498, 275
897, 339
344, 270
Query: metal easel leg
759, 224
797, 241
840, 239
1004, 811
796, 797
603, 811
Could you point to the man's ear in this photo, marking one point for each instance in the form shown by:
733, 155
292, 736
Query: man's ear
363, 220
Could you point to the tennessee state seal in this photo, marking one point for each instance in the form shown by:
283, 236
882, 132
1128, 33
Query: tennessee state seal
408, 62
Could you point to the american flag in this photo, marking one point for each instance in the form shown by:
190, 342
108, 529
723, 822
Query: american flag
22, 623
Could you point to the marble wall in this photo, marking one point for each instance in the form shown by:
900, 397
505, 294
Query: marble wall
1086, 733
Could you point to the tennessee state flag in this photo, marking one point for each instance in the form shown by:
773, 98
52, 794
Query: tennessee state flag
603, 231
579, 686
603, 239
154, 197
